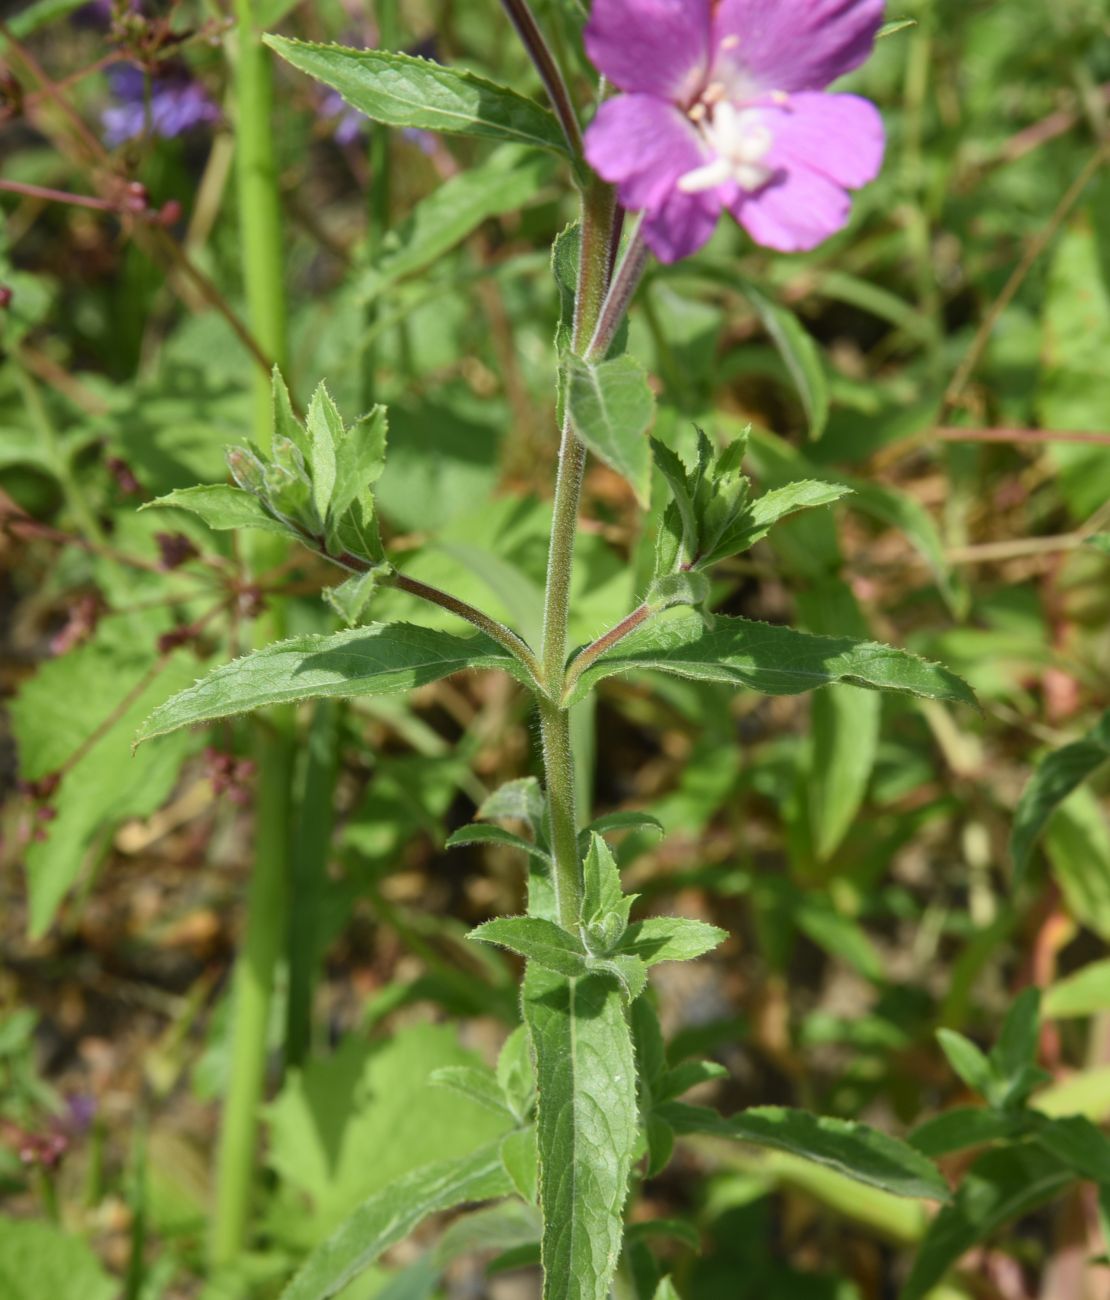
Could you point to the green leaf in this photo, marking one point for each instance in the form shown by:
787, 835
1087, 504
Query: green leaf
1085, 993
967, 1060
963, 1127
359, 461
605, 906
999, 1187
351, 598
59, 711
687, 1075
1017, 1042
1100, 542
515, 1073
478, 1083
372, 660
520, 1156
402, 91
370, 1097
860, 1153
507, 181
688, 587
39, 1260
586, 1079
671, 938
495, 835
326, 432
543, 942
628, 820
666, 1291
794, 343
610, 407
520, 800
1077, 841
1056, 776
392, 1214
772, 660
761, 514
222, 507
1079, 1144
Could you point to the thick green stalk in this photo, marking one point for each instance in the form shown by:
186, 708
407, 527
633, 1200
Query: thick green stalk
263, 270
598, 214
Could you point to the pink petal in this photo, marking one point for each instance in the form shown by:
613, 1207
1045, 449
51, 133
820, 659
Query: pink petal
796, 211
840, 136
681, 224
654, 47
643, 145
791, 44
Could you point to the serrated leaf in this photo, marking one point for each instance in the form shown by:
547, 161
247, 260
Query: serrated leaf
587, 1126
855, 1150
998, 1188
671, 938
472, 1081
1055, 777
403, 91
684, 588
610, 407
963, 1127
628, 820
761, 514
495, 835
772, 660
605, 906
543, 942
360, 460
223, 508
391, 1215
373, 660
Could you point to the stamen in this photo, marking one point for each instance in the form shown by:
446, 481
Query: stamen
731, 43
779, 97
698, 112
714, 93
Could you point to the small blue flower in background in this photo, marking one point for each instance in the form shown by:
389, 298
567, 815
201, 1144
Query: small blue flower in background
178, 103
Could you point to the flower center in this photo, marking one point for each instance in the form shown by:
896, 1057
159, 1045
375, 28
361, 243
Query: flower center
738, 139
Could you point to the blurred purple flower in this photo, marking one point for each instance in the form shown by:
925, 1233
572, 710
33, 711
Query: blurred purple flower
178, 103
724, 108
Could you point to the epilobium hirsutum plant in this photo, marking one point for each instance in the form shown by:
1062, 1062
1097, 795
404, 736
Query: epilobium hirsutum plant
721, 106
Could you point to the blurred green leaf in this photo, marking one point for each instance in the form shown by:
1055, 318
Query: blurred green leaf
610, 407
39, 1259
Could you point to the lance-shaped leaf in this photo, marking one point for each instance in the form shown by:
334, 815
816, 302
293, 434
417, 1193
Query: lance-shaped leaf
374, 660
222, 507
403, 91
543, 942
495, 835
760, 515
478, 1083
855, 1150
1055, 778
966, 1126
610, 407
772, 660
390, 1215
671, 938
587, 1127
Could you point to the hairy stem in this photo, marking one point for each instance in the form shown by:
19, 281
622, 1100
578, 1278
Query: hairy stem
267, 902
597, 648
598, 216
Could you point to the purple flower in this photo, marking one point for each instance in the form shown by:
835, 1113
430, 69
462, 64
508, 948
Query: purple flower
178, 103
724, 107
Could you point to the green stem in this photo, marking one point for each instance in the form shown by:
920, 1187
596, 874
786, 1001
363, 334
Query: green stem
263, 269
311, 842
598, 215
380, 195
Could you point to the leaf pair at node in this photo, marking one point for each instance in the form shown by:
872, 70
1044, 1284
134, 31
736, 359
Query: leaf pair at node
1006, 1077
713, 516
314, 485
606, 943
